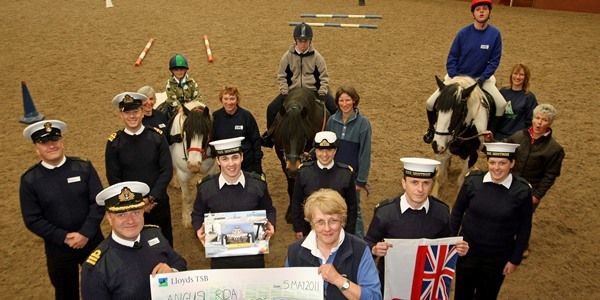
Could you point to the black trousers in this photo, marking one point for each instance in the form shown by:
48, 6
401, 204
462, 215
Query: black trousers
274, 106
63, 270
478, 278
238, 262
160, 215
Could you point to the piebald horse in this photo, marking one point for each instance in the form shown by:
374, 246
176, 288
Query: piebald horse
462, 116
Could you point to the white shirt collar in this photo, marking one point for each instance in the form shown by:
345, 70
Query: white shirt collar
404, 204
329, 166
310, 243
506, 182
123, 241
49, 166
241, 180
134, 133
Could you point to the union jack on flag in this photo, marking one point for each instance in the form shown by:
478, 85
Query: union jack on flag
418, 269
434, 271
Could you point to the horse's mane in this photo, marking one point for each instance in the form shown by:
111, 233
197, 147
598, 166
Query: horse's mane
198, 123
451, 96
293, 126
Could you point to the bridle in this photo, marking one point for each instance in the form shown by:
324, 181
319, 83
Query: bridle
458, 130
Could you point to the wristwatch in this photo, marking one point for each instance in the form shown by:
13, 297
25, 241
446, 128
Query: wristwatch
345, 285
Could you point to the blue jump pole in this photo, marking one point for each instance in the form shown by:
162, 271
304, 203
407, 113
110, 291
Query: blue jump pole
340, 16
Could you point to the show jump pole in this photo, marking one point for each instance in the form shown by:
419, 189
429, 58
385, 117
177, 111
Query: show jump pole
340, 16
369, 26
143, 54
208, 51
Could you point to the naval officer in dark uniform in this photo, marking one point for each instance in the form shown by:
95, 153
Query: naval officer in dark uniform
324, 173
141, 154
412, 215
120, 266
57, 203
229, 191
493, 212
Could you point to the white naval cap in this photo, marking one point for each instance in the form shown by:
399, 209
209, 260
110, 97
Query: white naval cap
500, 149
325, 140
123, 196
419, 167
44, 131
228, 146
128, 100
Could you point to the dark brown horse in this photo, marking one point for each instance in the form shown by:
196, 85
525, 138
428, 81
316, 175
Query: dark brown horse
297, 122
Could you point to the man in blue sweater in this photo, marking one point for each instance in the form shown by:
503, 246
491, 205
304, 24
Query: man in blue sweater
475, 52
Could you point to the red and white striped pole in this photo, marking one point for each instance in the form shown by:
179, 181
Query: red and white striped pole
143, 54
208, 52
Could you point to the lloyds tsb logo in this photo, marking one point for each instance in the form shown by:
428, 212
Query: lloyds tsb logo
163, 282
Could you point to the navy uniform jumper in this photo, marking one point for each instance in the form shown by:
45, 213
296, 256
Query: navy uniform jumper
230, 198
310, 179
115, 271
389, 222
143, 157
55, 202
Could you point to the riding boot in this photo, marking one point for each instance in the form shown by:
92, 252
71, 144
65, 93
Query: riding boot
431, 118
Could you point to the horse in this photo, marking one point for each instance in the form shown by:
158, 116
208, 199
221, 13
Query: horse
462, 116
298, 120
190, 132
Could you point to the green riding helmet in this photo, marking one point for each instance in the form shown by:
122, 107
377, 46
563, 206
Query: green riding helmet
178, 62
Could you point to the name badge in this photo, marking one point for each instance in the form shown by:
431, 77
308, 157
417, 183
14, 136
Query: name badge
239, 127
485, 47
153, 242
161, 125
74, 179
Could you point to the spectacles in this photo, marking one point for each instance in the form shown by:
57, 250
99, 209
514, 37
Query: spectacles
331, 222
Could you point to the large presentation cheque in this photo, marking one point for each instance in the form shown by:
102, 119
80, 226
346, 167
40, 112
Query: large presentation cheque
232, 284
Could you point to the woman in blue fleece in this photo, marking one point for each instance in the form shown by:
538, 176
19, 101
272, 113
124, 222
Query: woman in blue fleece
353, 131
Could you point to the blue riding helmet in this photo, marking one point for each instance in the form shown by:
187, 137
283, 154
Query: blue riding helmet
303, 31
177, 62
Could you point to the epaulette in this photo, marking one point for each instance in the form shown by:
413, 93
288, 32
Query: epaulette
95, 255
205, 178
344, 166
157, 130
113, 135
524, 181
432, 198
30, 168
79, 158
384, 203
260, 177
306, 164
151, 226
475, 173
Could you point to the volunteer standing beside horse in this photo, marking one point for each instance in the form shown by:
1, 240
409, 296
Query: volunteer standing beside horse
57, 203
475, 52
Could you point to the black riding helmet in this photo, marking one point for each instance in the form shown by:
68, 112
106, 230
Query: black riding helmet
178, 62
303, 31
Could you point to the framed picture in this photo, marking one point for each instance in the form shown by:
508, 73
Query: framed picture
236, 233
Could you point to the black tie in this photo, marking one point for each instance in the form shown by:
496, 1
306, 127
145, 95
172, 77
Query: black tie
137, 245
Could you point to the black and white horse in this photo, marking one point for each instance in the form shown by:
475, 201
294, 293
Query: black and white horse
462, 116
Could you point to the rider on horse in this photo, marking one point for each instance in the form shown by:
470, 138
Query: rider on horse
301, 66
475, 52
